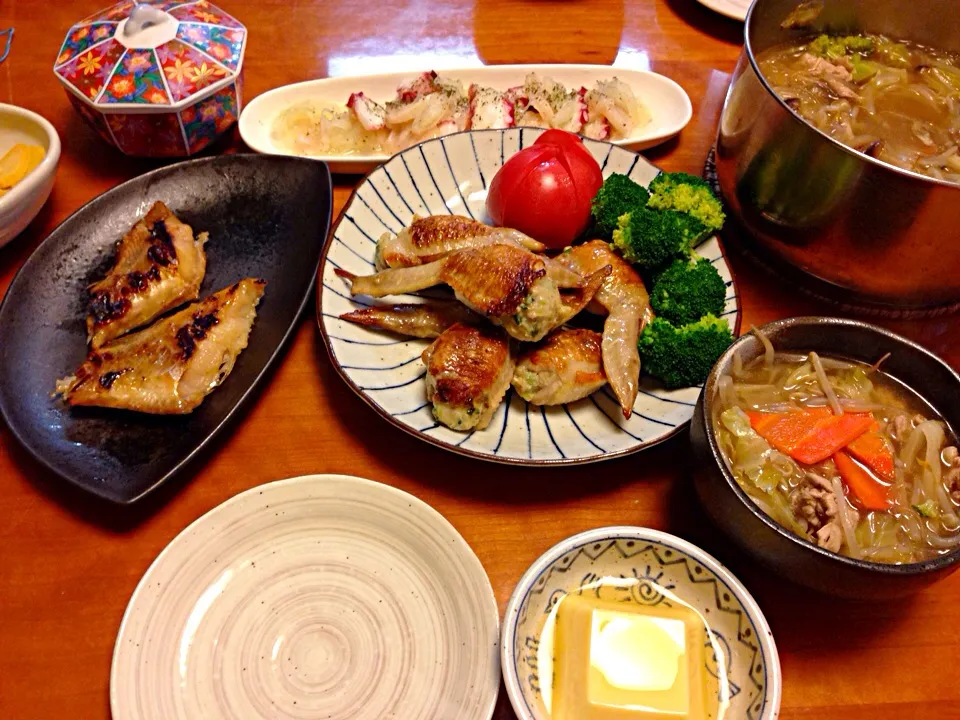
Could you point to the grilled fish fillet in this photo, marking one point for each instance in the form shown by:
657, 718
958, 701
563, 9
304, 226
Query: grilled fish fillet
624, 298
468, 372
426, 320
431, 238
567, 366
158, 265
171, 366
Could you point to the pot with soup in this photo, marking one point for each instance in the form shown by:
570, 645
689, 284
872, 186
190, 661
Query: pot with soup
838, 148
819, 450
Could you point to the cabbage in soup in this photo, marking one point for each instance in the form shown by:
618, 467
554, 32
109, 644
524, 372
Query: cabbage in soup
896, 101
843, 455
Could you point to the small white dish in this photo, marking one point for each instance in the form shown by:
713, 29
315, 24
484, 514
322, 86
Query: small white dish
324, 596
658, 564
668, 103
451, 175
733, 9
21, 205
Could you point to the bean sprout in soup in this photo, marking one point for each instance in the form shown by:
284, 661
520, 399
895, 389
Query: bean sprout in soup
896, 101
842, 454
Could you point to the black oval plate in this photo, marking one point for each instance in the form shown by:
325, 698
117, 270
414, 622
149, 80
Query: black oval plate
267, 217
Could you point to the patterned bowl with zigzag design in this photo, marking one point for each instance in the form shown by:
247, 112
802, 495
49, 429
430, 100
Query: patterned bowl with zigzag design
656, 569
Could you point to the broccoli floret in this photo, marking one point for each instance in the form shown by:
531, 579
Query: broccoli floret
681, 357
687, 194
651, 238
687, 290
837, 47
617, 196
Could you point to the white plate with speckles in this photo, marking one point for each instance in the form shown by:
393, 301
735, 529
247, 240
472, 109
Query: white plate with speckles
450, 175
321, 596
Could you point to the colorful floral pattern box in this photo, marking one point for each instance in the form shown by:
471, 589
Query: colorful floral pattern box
155, 78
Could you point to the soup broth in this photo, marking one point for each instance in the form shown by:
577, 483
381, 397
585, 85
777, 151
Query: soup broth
896, 101
843, 455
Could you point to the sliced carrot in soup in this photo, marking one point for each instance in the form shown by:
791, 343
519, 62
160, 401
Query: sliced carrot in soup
868, 491
873, 450
829, 435
785, 430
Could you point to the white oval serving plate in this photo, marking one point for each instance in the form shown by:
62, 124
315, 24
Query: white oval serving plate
450, 175
321, 596
668, 103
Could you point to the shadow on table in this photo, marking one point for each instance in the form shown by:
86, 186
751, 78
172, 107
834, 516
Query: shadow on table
656, 153
479, 479
107, 162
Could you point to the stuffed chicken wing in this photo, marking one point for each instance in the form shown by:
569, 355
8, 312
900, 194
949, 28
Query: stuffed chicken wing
468, 373
565, 367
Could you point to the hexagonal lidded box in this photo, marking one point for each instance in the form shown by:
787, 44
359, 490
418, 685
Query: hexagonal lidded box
157, 78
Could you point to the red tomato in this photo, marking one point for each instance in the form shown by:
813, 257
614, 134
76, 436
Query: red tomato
545, 190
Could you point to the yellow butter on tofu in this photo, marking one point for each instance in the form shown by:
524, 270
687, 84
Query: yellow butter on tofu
626, 661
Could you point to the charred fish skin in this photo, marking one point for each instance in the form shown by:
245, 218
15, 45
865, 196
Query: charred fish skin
171, 366
158, 265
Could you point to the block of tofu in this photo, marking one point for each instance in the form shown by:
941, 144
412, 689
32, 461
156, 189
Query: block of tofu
626, 661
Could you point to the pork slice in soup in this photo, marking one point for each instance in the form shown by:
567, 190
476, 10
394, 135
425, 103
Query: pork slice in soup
842, 454
896, 101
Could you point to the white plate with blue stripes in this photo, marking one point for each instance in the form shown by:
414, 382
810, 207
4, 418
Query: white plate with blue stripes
450, 175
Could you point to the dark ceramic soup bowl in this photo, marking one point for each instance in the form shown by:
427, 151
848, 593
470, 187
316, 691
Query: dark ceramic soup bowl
780, 549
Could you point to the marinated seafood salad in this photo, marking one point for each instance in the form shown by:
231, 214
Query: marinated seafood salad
433, 105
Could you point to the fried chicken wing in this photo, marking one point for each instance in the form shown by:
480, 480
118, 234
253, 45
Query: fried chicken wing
565, 367
426, 320
576, 300
624, 299
430, 238
506, 284
158, 265
171, 366
468, 372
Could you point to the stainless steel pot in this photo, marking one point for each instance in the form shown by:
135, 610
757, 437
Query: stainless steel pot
864, 232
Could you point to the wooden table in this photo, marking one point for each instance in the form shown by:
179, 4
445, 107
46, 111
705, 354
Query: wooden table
68, 564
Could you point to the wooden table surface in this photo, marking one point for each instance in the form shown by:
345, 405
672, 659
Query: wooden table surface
68, 564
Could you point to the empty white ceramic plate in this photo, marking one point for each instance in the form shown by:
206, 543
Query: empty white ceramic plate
450, 175
324, 596
669, 105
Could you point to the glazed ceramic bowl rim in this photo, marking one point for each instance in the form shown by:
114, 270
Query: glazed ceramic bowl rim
36, 177
903, 570
508, 660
